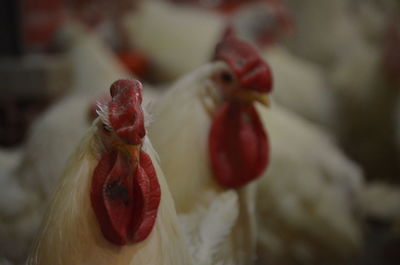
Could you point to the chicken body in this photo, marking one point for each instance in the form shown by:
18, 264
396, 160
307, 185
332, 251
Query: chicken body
307, 201
186, 164
352, 58
313, 19
306, 92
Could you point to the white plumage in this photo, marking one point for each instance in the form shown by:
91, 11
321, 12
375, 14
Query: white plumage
314, 20
178, 39
71, 234
300, 86
308, 198
51, 139
206, 236
180, 134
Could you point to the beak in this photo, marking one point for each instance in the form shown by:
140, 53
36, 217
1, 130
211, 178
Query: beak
251, 96
134, 151
131, 151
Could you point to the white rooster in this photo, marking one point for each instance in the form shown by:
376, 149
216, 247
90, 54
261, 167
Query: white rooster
113, 205
51, 139
209, 138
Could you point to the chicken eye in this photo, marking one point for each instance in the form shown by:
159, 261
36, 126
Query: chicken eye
106, 128
226, 77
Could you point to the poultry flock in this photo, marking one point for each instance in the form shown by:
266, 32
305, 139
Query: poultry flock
245, 132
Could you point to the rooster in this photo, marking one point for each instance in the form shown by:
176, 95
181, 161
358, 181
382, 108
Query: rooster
27, 185
113, 205
221, 144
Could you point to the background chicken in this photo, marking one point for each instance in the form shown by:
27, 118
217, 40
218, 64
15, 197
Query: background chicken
308, 200
196, 171
313, 19
306, 92
263, 23
178, 39
93, 226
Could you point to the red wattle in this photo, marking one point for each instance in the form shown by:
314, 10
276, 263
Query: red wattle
238, 145
125, 199
152, 197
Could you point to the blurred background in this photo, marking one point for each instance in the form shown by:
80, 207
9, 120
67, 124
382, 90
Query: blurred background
336, 68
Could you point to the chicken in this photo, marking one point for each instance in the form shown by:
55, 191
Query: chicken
210, 139
352, 58
372, 16
169, 34
113, 205
313, 19
306, 92
308, 199
363, 82
260, 22
28, 183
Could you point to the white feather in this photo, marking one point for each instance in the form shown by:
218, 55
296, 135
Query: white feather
180, 136
207, 236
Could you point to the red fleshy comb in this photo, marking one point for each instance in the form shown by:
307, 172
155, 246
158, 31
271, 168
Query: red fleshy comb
124, 111
244, 60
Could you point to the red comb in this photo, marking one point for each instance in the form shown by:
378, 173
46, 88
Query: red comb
244, 60
125, 112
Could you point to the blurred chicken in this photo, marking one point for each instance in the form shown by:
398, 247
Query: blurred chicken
301, 87
313, 20
210, 139
366, 93
353, 58
306, 92
308, 199
178, 39
113, 205
372, 16
261, 22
